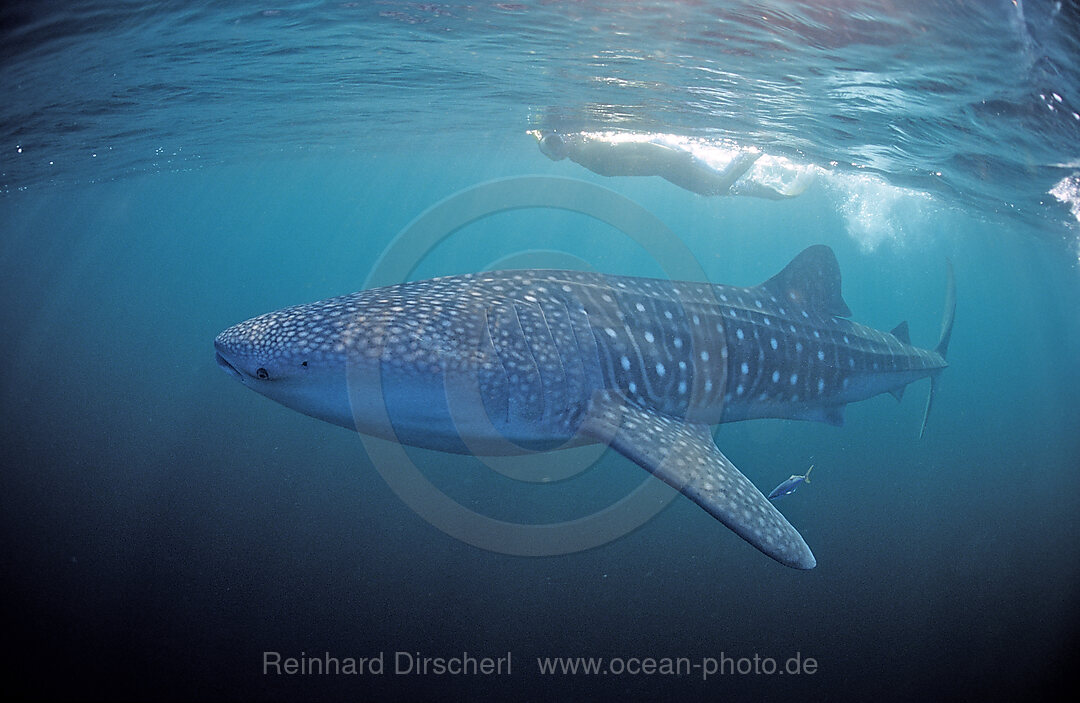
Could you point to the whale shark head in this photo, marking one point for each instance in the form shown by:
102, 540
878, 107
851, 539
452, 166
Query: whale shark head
289, 356
365, 361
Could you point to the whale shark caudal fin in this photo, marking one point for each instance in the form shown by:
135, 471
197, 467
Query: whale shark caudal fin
684, 456
811, 280
943, 342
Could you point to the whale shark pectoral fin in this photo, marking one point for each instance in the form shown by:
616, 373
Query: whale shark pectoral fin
684, 456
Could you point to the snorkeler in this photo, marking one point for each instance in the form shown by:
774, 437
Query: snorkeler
697, 167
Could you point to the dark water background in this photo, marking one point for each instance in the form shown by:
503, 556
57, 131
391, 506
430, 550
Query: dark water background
161, 526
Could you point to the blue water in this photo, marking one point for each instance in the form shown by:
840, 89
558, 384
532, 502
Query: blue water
168, 172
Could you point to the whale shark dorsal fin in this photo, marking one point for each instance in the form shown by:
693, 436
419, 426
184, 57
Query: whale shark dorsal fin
811, 280
902, 333
684, 456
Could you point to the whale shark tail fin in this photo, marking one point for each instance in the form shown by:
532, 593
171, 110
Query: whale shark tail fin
943, 342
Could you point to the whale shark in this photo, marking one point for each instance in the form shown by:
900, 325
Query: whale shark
509, 362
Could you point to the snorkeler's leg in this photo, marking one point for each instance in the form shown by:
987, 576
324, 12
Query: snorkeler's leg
705, 179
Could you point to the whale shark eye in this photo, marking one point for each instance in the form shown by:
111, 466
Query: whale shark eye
261, 373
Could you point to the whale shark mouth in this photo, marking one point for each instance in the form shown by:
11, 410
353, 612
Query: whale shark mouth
229, 368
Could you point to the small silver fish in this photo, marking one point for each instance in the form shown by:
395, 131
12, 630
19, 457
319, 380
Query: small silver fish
788, 486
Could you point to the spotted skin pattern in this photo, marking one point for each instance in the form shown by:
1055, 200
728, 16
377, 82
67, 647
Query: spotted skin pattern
684, 456
513, 361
